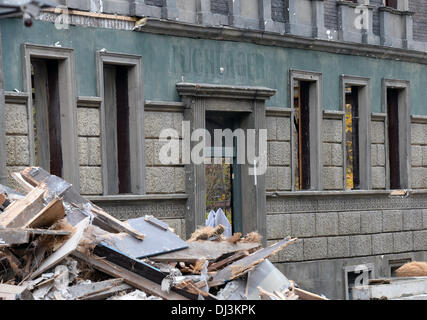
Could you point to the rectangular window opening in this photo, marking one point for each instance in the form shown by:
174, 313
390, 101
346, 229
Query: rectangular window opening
302, 126
396, 264
117, 127
393, 136
391, 3
352, 137
47, 115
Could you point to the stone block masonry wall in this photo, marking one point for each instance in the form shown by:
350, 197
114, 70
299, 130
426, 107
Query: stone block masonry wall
333, 158
89, 150
378, 155
17, 143
331, 229
161, 178
420, 19
278, 175
339, 227
419, 155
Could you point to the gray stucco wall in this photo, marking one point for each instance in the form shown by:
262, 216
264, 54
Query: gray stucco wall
344, 230
376, 16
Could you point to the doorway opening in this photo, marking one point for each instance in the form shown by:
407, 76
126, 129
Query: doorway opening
47, 115
222, 172
116, 100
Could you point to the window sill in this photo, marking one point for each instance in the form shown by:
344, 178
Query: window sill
353, 5
135, 197
349, 193
396, 11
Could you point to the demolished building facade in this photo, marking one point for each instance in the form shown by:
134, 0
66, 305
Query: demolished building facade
263, 64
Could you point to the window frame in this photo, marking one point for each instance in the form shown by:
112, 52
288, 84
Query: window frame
136, 112
316, 119
370, 268
68, 105
404, 118
364, 128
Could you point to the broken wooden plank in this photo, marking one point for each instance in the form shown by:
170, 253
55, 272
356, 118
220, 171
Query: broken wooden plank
305, 295
137, 266
128, 276
11, 292
53, 212
59, 187
224, 262
242, 266
108, 292
211, 250
266, 295
64, 250
116, 223
21, 211
10, 237
21, 181
156, 222
20, 236
14, 262
98, 290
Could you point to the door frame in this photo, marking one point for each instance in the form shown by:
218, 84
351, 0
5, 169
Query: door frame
199, 98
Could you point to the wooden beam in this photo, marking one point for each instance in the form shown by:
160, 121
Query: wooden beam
98, 290
10, 292
242, 266
21, 181
305, 295
116, 224
64, 250
20, 212
20, 236
129, 277
53, 212
211, 250
220, 264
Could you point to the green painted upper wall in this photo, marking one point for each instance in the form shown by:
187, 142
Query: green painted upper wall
168, 60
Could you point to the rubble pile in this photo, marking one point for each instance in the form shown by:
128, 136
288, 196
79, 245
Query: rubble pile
57, 245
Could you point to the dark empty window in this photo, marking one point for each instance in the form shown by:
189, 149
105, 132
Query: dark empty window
391, 3
117, 128
352, 137
47, 115
302, 126
156, 3
393, 136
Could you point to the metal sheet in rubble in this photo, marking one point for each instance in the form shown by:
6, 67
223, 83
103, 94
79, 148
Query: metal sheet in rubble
265, 275
157, 240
